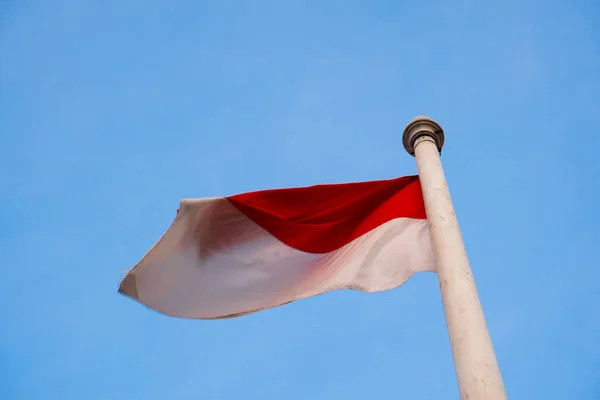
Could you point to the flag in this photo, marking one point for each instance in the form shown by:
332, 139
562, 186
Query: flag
230, 256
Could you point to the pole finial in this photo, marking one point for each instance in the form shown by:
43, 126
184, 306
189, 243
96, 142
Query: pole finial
422, 126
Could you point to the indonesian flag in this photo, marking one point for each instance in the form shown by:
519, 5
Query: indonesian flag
230, 256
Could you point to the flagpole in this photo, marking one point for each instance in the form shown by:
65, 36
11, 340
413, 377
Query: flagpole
477, 370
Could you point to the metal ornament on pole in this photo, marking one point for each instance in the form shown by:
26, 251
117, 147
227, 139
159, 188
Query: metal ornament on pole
477, 370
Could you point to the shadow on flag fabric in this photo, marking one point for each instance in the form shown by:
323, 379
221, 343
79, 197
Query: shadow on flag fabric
230, 256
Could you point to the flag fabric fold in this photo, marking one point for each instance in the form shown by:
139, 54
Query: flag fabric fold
230, 256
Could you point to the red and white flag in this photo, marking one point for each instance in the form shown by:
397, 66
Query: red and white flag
230, 256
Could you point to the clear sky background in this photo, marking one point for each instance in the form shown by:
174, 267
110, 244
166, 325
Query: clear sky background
111, 111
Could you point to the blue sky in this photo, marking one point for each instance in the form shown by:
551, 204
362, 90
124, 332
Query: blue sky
112, 111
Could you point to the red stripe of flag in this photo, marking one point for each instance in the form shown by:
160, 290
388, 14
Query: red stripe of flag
322, 218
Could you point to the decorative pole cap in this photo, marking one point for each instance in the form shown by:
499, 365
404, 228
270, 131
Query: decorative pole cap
422, 126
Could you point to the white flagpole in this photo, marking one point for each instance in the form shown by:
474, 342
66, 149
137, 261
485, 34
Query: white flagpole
476, 367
